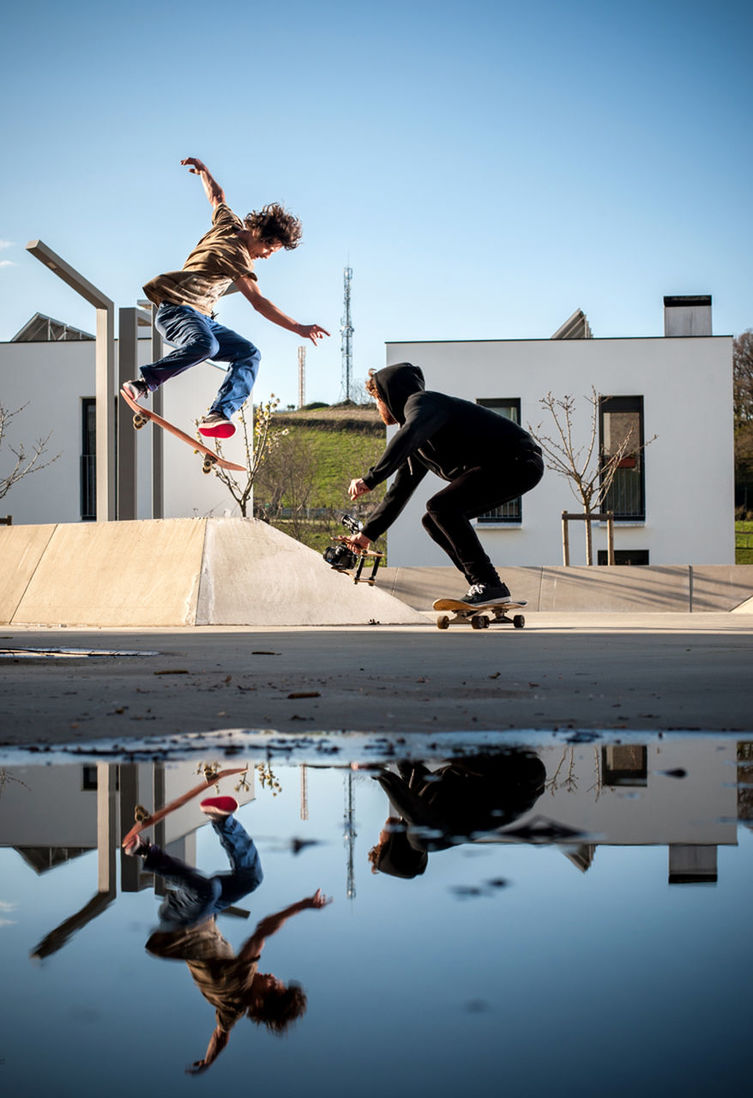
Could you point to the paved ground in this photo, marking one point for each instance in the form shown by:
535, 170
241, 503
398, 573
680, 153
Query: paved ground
647, 672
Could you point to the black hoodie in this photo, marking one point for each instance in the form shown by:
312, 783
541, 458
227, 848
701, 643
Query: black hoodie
440, 433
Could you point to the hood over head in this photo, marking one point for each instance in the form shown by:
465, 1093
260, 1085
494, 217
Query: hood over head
396, 383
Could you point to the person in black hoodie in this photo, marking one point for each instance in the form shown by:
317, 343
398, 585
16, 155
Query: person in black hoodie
487, 459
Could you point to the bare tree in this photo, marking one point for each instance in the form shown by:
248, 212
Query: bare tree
588, 470
286, 483
742, 374
260, 441
24, 463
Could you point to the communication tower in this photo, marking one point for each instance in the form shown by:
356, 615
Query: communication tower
301, 376
346, 337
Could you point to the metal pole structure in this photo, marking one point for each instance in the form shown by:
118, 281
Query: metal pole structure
106, 827
104, 389
128, 353
158, 437
610, 537
346, 334
565, 540
301, 376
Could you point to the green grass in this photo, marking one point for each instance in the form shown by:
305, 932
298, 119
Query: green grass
339, 444
743, 542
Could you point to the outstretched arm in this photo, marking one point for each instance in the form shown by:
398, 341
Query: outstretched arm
250, 290
217, 1042
214, 191
269, 926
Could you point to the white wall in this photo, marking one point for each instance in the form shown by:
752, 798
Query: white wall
686, 384
52, 379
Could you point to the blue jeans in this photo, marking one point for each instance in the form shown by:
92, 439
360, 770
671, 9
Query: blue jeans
197, 337
193, 896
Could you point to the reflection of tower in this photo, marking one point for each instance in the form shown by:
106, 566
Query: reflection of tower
349, 834
346, 337
301, 376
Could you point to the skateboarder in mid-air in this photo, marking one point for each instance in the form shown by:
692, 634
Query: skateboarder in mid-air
186, 300
188, 931
487, 459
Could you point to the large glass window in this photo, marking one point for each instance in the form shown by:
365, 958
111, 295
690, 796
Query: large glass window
513, 511
621, 425
88, 477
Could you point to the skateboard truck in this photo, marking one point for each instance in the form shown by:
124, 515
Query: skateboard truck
343, 559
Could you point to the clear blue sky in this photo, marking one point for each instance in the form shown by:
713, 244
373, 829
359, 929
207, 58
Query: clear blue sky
485, 169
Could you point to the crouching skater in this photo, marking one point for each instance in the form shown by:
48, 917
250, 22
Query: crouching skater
487, 459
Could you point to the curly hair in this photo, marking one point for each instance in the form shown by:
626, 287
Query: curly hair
279, 1008
370, 384
274, 225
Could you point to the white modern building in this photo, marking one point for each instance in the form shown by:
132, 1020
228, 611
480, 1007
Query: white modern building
673, 503
48, 373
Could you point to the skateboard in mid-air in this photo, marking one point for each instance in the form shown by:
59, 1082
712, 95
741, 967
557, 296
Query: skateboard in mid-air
143, 416
479, 616
145, 820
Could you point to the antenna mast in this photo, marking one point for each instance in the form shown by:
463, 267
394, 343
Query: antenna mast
301, 376
346, 336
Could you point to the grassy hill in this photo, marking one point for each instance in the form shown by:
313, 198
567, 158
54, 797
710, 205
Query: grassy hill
302, 488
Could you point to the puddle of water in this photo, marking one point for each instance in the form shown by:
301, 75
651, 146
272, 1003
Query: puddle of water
564, 918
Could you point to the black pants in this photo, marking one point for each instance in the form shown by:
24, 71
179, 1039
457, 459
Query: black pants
448, 513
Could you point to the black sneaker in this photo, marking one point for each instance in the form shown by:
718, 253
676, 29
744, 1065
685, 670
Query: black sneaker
483, 594
136, 389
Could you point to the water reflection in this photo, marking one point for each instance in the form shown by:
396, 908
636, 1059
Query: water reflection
188, 930
528, 902
458, 801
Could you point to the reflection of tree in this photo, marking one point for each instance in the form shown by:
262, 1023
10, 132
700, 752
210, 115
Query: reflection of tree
564, 777
568, 781
5, 778
745, 781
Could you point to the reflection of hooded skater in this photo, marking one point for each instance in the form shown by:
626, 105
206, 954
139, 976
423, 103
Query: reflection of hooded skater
442, 808
487, 459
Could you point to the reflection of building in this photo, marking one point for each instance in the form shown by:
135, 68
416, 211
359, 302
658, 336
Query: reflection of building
681, 795
92, 808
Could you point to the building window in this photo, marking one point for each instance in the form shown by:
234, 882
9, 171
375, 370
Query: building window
621, 419
624, 556
511, 512
624, 764
88, 477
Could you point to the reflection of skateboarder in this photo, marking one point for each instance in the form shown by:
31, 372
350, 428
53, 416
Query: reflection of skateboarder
230, 982
487, 459
192, 896
459, 800
186, 300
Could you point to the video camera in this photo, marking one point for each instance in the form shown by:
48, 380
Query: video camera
342, 558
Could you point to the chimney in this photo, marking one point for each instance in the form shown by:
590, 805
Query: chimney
687, 316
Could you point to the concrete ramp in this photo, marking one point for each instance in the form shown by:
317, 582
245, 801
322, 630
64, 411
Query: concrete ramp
176, 572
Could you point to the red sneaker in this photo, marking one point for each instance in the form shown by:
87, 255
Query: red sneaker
215, 425
219, 808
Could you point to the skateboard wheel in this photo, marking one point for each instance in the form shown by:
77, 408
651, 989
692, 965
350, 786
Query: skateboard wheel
139, 421
518, 621
443, 622
480, 622
207, 467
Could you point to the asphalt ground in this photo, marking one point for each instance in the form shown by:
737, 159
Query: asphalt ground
648, 672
